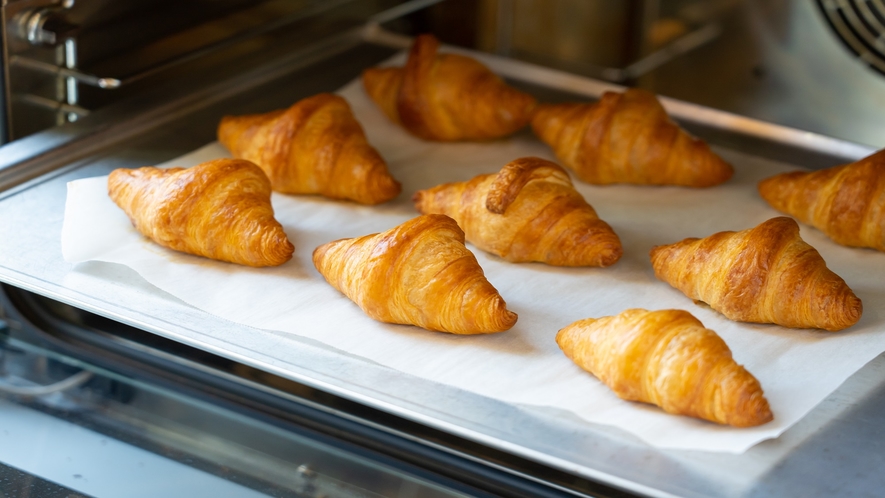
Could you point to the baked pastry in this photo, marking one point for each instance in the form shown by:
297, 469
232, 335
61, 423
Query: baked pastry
447, 97
218, 209
667, 358
627, 138
845, 202
529, 211
314, 147
418, 273
766, 274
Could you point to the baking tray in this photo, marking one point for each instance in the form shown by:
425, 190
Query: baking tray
833, 448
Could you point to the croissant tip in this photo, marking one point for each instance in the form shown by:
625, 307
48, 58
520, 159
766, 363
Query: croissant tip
561, 334
851, 312
508, 320
318, 253
611, 255
752, 411
770, 187
653, 253
286, 245
384, 190
501, 318
418, 199
540, 115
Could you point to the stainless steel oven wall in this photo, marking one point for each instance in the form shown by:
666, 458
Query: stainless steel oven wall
775, 60
49, 42
781, 61
67, 58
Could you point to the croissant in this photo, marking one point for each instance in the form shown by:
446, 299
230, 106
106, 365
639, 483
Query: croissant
447, 97
218, 209
529, 211
667, 358
845, 202
627, 138
418, 273
766, 274
314, 147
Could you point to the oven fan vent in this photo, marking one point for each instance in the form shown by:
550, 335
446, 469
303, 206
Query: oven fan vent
860, 24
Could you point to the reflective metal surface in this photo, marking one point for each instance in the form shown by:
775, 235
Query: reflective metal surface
860, 24
65, 59
119, 436
780, 61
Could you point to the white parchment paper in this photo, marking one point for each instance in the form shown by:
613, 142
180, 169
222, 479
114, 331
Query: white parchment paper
797, 368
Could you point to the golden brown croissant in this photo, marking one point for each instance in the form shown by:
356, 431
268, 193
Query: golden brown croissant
845, 202
627, 138
314, 147
218, 209
529, 211
418, 273
766, 274
447, 97
667, 358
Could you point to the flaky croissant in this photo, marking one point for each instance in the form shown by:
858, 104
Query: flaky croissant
314, 147
766, 274
627, 138
447, 97
418, 273
845, 202
218, 209
667, 358
529, 211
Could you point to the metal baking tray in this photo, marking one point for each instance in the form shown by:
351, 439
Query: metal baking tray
835, 447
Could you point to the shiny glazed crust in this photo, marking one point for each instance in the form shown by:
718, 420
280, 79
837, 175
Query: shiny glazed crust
845, 202
314, 147
766, 274
218, 209
418, 273
667, 358
529, 211
447, 97
627, 138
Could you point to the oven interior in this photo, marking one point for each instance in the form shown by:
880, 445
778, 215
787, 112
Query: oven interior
89, 85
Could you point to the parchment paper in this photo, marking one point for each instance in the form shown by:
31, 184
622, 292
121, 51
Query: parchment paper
797, 368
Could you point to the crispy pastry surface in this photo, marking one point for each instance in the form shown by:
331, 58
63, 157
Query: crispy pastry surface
845, 202
418, 273
766, 274
667, 358
447, 97
627, 138
218, 209
529, 211
314, 147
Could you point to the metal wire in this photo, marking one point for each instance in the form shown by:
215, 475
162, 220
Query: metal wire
71, 382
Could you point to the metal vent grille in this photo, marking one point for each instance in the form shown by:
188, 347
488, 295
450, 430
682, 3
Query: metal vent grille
860, 24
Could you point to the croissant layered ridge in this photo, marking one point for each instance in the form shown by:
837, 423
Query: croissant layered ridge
529, 211
219, 209
316, 146
418, 273
669, 359
766, 274
627, 138
845, 202
447, 97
